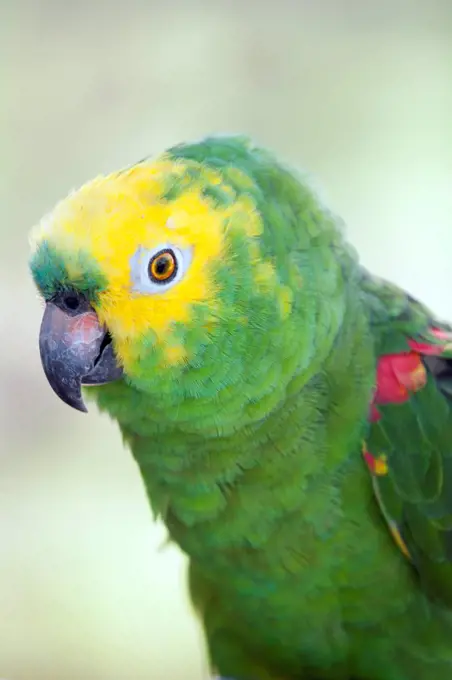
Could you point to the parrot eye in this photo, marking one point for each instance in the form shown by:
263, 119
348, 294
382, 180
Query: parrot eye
163, 266
156, 270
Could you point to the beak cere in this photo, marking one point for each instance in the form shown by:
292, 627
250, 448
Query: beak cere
75, 349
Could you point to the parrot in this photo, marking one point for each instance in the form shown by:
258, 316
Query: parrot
289, 412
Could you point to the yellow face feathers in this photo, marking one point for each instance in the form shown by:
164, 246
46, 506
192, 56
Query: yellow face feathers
120, 218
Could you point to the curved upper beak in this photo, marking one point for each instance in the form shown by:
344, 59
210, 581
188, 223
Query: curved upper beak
75, 349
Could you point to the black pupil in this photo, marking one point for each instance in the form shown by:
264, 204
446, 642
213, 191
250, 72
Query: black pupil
162, 265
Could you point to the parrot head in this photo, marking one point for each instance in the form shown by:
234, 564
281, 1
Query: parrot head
205, 274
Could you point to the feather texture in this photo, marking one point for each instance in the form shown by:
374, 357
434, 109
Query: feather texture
289, 413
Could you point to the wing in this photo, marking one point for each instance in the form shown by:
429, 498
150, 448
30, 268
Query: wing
409, 444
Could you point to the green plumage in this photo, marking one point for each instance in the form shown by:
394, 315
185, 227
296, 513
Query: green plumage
251, 449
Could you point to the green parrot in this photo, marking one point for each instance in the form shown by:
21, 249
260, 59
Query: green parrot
290, 413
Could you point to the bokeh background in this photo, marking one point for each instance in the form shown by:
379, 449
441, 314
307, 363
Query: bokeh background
358, 93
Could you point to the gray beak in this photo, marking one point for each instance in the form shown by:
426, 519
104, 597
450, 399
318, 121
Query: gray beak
75, 350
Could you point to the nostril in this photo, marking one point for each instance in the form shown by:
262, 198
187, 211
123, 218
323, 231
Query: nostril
72, 302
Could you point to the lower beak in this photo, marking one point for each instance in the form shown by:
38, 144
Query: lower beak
75, 349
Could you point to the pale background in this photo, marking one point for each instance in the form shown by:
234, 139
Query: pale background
358, 93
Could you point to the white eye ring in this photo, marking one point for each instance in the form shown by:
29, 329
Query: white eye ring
141, 262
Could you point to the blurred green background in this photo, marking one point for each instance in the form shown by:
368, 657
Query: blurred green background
358, 93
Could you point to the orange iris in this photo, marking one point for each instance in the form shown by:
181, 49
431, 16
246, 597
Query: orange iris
163, 266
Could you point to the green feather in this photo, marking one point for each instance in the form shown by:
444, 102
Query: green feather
250, 451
